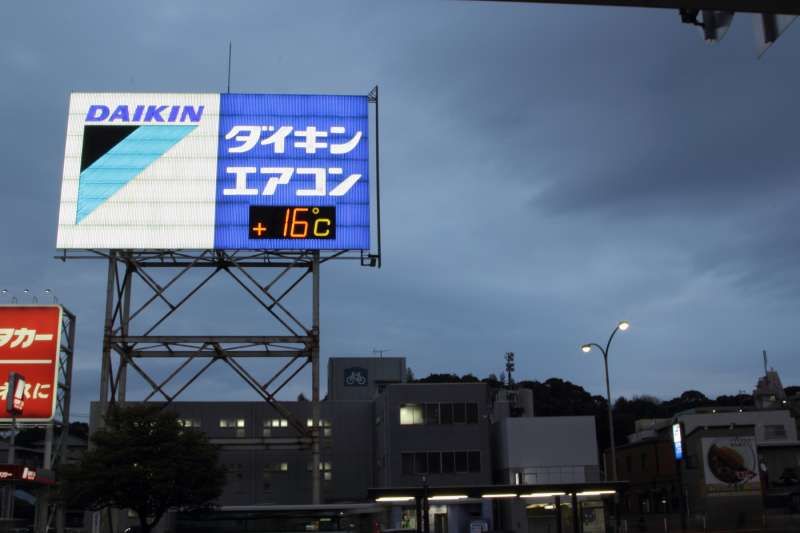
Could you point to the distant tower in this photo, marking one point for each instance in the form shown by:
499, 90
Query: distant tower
769, 393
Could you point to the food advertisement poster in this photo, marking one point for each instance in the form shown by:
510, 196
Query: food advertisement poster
731, 465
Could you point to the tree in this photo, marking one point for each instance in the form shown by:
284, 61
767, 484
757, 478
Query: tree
144, 460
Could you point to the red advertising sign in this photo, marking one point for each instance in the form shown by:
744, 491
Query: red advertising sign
30, 336
22, 473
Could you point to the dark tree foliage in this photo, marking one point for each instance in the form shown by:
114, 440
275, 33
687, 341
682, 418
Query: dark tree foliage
441, 378
145, 461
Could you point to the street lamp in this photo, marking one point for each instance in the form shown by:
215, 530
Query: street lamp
586, 348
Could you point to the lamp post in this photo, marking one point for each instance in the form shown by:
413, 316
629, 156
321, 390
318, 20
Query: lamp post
622, 326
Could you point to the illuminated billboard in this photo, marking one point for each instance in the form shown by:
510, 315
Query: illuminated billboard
730, 464
677, 441
215, 171
30, 337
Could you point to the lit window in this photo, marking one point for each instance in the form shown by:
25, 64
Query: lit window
324, 424
189, 423
271, 424
276, 467
234, 423
325, 467
411, 414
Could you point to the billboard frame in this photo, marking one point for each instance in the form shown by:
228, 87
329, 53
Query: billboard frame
366, 257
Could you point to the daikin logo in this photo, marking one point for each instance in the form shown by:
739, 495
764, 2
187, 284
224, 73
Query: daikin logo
145, 113
114, 154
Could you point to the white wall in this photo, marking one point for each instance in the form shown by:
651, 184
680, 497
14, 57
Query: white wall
546, 441
758, 418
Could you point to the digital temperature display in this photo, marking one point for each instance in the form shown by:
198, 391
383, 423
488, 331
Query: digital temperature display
292, 222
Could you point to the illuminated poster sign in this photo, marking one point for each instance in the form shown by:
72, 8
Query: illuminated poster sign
216, 171
30, 336
677, 441
730, 465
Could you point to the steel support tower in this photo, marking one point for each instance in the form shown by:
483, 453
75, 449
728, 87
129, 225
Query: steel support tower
146, 288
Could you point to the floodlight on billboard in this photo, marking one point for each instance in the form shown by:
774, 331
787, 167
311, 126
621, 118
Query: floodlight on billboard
30, 337
216, 171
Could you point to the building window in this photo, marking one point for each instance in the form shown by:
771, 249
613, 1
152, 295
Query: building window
324, 424
270, 470
459, 413
189, 422
407, 462
474, 460
276, 467
461, 462
628, 464
439, 413
448, 463
446, 413
325, 467
277, 423
234, 423
417, 463
431, 413
411, 414
774, 432
472, 413
644, 462
434, 463
420, 463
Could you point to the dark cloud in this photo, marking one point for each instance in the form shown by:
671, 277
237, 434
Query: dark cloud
546, 171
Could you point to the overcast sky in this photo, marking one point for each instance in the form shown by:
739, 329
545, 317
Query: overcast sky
546, 171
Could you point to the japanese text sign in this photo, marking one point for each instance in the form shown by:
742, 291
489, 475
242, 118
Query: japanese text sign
29, 345
216, 171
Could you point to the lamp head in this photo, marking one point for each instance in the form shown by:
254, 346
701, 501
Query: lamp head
623, 325
586, 348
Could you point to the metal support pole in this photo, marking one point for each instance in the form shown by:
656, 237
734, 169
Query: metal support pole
426, 511
124, 326
47, 462
576, 525
105, 367
41, 510
315, 430
558, 514
11, 488
610, 422
418, 509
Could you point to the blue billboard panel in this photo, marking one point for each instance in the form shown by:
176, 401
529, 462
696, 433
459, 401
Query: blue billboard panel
222, 171
284, 152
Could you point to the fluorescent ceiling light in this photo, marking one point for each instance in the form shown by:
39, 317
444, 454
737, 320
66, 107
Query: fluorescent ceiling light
394, 499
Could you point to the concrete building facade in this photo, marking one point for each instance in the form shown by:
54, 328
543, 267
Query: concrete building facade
378, 431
